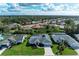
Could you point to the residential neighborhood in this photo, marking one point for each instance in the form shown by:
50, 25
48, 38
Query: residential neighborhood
39, 35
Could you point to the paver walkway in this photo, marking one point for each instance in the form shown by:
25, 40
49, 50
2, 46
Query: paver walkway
77, 51
1, 51
48, 51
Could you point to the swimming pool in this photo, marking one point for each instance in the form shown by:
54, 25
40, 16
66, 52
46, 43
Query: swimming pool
1, 37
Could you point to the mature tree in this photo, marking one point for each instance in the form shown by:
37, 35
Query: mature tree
70, 26
61, 47
77, 29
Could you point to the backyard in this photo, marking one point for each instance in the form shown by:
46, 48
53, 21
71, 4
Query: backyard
22, 49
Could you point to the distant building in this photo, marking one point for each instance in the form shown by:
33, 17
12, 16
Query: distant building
13, 26
28, 23
76, 22
25, 27
36, 22
36, 26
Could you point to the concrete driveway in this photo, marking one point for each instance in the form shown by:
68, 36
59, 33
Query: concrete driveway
1, 51
48, 51
77, 51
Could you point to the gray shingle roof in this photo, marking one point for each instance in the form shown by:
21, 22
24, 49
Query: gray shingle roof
19, 38
70, 41
41, 38
77, 36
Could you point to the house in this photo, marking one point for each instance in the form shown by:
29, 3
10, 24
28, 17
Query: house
76, 22
13, 26
20, 38
76, 36
35, 22
40, 39
62, 22
5, 44
36, 26
60, 26
58, 37
53, 22
7, 41
12, 39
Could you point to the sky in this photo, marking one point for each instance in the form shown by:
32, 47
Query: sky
39, 8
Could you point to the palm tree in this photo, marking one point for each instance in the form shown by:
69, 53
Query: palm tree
61, 47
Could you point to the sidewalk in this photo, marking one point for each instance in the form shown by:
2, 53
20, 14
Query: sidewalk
48, 51
77, 51
1, 51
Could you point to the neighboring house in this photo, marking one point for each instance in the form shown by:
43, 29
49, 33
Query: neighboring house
35, 22
76, 36
53, 22
60, 26
40, 39
7, 41
25, 27
62, 23
76, 22
13, 26
58, 37
28, 23
37, 26
5, 44
20, 38
12, 39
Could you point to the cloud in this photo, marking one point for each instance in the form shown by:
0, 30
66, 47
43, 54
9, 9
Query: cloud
40, 8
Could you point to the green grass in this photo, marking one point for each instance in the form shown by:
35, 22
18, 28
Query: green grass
67, 51
22, 49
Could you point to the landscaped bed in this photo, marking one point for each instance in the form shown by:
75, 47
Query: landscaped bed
22, 49
67, 50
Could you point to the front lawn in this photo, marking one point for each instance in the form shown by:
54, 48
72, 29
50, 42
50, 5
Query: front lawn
22, 49
67, 51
